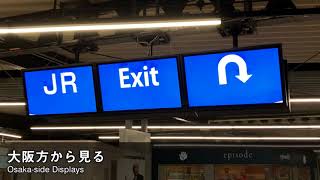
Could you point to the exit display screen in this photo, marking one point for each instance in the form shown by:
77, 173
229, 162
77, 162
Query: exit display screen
148, 84
60, 91
245, 77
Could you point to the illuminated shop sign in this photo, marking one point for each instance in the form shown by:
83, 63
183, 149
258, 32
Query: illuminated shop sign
246, 77
60, 91
139, 85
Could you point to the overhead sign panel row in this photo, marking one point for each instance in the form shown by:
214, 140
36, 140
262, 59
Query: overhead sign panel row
242, 77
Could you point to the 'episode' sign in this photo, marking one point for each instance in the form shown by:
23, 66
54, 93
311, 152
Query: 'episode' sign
60, 91
148, 84
246, 77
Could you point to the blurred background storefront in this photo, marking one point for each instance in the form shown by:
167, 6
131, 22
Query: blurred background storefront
233, 164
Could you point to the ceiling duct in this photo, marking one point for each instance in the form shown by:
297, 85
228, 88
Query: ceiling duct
126, 8
277, 5
98, 1
173, 8
73, 4
224, 7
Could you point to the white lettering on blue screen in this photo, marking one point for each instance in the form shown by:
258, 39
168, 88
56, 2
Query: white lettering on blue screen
124, 74
64, 83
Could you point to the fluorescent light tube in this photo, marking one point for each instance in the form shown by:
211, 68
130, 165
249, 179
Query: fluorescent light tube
12, 103
10, 135
56, 128
236, 138
109, 137
112, 26
222, 138
305, 100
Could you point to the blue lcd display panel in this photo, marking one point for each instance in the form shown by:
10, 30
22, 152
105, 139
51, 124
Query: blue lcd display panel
60, 91
140, 85
247, 77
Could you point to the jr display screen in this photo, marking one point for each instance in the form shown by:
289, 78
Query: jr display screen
60, 91
140, 85
247, 77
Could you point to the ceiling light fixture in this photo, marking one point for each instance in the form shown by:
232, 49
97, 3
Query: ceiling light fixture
234, 145
194, 127
81, 127
222, 138
182, 120
305, 100
236, 138
10, 135
109, 137
12, 103
52, 141
113, 26
238, 127
77, 127
294, 100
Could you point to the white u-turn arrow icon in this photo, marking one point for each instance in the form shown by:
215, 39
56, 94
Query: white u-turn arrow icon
232, 58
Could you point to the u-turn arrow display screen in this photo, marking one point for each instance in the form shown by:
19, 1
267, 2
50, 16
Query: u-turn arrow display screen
245, 77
